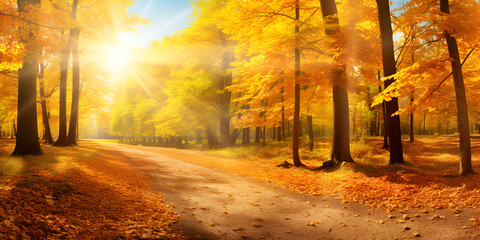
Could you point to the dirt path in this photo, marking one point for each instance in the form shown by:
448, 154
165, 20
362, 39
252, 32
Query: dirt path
218, 205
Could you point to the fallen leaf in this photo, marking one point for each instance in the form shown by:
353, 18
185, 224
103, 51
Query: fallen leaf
406, 228
436, 216
256, 225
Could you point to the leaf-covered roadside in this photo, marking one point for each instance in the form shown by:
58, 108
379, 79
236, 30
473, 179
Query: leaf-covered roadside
425, 182
73, 193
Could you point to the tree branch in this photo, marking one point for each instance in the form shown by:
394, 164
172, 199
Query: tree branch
28, 21
463, 62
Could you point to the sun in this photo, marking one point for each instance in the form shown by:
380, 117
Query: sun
118, 57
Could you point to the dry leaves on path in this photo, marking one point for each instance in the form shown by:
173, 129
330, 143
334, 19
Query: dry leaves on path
102, 197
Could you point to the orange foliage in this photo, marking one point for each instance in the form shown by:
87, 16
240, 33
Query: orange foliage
102, 199
423, 183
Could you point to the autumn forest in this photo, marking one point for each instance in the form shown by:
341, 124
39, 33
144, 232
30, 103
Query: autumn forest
282, 119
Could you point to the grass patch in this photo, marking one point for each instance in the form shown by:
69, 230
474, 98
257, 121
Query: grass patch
10, 166
249, 152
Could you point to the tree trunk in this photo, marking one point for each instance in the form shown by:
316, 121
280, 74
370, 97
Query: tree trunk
62, 127
411, 120
354, 124
257, 135
341, 125
64, 57
225, 97
424, 123
296, 114
283, 114
377, 128
462, 112
263, 135
389, 69
47, 134
14, 129
310, 132
288, 129
27, 142
279, 133
244, 135
73, 126
198, 136
211, 138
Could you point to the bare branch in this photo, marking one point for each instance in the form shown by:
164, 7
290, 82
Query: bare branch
28, 21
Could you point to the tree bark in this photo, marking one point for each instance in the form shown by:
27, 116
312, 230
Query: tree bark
64, 59
263, 135
244, 135
257, 135
462, 111
47, 134
27, 142
225, 97
341, 125
62, 127
389, 69
73, 126
411, 121
283, 113
296, 114
211, 138
279, 133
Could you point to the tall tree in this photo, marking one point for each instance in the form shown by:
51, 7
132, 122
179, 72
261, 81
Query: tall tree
73, 126
27, 142
341, 125
47, 134
411, 120
462, 111
225, 97
296, 114
389, 69
64, 57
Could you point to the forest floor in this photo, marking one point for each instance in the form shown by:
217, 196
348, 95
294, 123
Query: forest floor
78, 193
239, 193
106, 190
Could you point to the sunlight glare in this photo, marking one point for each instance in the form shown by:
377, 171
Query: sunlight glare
118, 57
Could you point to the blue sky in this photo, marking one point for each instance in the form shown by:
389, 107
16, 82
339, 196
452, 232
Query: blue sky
166, 16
